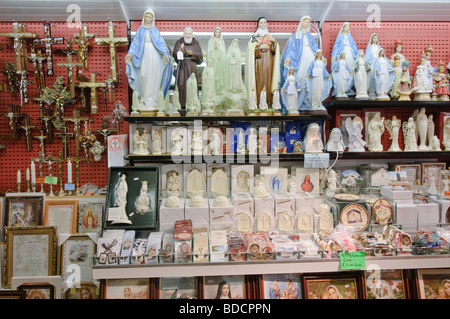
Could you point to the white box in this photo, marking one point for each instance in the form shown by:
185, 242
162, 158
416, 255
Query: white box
243, 202
264, 205
304, 202
429, 214
243, 221
166, 227
169, 215
242, 178
117, 150
154, 243
406, 215
284, 202
187, 170
220, 214
444, 208
213, 225
166, 172
397, 193
198, 215
163, 136
211, 171
275, 179
172, 131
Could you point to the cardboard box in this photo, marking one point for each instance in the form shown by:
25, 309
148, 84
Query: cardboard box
406, 215
243, 202
429, 214
397, 193
220, 214
444, 209
169, 215
198, 215
284, 202
264, 205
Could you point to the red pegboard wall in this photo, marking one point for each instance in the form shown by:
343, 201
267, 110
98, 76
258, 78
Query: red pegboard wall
16, 156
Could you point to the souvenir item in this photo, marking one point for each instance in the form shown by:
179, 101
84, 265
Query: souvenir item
252, 142
143, 201
148, 51
422, 86
209, 96
441, 84
219, 183
444, 184
193, 106
121, 201
330, 183
342, 77
347, 197
335, 142
291, 97
409, 133
355, 216
351, 181
371, 55
422, 129
195, 183
404, 88
318, 83
259, 190
324, 220
216, 59
262, 63
156, 142
376, 130
384, 76
382, 212
313, 139
397, 60
393, 127
361, 76
141, 142
187, 54
197, 142
236, 95
354, 127
345, 44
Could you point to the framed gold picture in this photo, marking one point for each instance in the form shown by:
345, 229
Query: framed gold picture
125, 288
385, 284
62, 214
282, 286
24, 211
430, 175
413, 172
77, 250
86, 290
30, 252
343, 285
178, 288
38, 291
224, 287
90, 217
433, 283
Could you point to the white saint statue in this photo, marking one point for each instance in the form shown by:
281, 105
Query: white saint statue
156, 142
143, 201
393, 127
361, 69
121, 201
173, 184
195, 183
335, 142
252, 142
409, 133
197, 143
177, 142
422, 126
354, 127
376, 130
263, 100
219, 183
215, 142
313, 139
141, 142
240, 143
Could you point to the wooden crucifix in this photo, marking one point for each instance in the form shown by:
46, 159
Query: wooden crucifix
105, 130
50, 160
19, 35
28, 127
48, 41
14, 115
82, 40
40, 161
41, 138
93, 85
36, 59
112, 42
70, 65
65, 136
23, 87
76, 119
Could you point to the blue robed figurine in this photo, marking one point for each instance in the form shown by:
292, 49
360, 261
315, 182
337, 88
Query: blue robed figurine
299, 52
384, 76
318, 84
344, 43
148, 65
372, 51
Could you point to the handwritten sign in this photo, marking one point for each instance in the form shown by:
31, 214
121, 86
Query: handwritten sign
352, 260
321, 160
51, 180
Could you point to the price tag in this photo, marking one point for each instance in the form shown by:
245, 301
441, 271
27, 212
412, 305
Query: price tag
40, 180
352, 260
69, 187
447, 194
321, 160
51, 180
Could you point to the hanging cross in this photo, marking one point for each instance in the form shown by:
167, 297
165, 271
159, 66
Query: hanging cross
65, 136
93, 85
76, 119
10, 72
70, 65
83, 43
41, 139
28, 127
47, 118
40, 161
48, 41
50, 160
110, 85
23, 87
14, 116
20, 48
112, 42
36, 59
105, 131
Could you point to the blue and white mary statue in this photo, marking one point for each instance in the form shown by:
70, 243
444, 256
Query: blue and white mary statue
148, 64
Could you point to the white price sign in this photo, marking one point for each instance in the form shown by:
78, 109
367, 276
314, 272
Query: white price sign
321, 160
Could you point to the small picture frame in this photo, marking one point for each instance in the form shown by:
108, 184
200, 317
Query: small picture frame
431, 172
224, 287
90, 217
38, 291
12, 294
178, 288
30, 252
24, 211
86, 290
282, 286
413, 172
346, 285
433, 283
125, 288
385, 284
62, 214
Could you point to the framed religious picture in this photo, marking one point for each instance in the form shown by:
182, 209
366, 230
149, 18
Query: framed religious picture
30, 252
132, 198
275, 179
24, 211
342, 285
90, 217
351, 181
307, 180
433, 283
385, 284
86, 290
430, 176
413, 172
38, 291
125, 289
282, 286
12, 294
77, 250
224, 287
62, 214
178, 288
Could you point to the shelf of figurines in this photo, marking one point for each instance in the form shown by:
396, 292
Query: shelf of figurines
352, 103
317, 252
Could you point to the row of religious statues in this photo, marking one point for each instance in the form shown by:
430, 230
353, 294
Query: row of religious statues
275, 81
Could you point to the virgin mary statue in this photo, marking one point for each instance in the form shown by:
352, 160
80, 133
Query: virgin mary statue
148, 66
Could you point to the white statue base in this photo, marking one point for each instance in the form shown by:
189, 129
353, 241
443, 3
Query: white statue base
404, 97
383, 97
362, 97
422, 96
160, 114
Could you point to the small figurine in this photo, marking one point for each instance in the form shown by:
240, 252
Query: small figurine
216, 58
441, 84
156, 142
197, 143
330, 183
354, 127
177, 142
345, 44
397, 60
276, 105
260, 190
252, 102
422, 127
292, 100
423, 81
240, 143
393, 127
384, 75
208, 97
263, 106
335, 142
121, 201
141, 142
376, 130
371, 54
313, 139
143, 201
318, 83
404, 88
215, 142
342, 77
361, 76
409, 133
236, 95
252, 142
97, 150
193, 106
